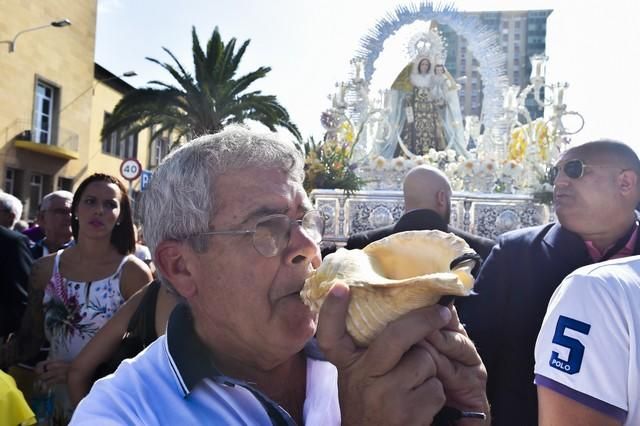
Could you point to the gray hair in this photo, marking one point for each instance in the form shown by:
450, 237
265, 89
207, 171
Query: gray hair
46, 201
10, 203
179, 201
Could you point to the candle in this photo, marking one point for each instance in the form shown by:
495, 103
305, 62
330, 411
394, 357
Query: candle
510, 99
387, 99
559, 96
538, 73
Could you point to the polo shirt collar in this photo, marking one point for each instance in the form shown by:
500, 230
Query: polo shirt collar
191, 360
188, 356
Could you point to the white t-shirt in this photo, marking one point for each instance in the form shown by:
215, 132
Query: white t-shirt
588, 348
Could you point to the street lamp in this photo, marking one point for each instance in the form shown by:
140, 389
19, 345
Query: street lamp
124, 74
57, 24
93, 86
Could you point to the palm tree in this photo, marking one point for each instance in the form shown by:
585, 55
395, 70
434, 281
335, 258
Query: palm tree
202, 104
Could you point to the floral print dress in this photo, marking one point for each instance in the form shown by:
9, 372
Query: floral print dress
74, 311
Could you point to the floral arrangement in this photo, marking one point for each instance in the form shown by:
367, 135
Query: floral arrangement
539, 132
439, 159
328, 163
509, 176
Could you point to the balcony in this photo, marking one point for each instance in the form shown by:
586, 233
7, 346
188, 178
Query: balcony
63, 145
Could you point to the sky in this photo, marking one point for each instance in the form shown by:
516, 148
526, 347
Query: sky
593, 45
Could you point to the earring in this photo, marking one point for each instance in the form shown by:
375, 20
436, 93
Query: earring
75, 218
117, 223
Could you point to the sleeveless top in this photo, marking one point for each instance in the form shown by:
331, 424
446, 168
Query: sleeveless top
74, 311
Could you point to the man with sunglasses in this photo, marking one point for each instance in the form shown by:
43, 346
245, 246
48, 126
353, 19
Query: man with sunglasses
595, 194
234, 235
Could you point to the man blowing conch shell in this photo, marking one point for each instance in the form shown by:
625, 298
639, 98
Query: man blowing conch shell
234, 234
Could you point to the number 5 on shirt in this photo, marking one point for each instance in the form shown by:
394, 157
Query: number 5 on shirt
576, 349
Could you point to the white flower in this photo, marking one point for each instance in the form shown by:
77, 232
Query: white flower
488, 167
419, 160
467, 168
409, 163
451, 168
433, 155
512, 169
451, 155
547, 187
379, 163
398, 163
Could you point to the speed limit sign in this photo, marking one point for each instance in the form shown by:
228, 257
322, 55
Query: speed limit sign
130, 169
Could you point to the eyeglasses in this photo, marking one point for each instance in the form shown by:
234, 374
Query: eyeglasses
574, 169
271, 233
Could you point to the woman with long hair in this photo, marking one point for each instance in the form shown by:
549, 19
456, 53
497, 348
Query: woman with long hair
75, 291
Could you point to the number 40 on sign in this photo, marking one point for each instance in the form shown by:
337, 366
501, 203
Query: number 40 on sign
130, 169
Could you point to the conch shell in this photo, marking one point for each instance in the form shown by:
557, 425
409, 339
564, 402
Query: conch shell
391, 277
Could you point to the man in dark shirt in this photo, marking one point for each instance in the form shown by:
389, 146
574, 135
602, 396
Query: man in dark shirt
427, 205
15, 265
595, 195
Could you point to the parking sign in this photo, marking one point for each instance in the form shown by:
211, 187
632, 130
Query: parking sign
144, 180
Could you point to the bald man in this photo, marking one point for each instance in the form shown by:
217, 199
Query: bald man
427, 205
596, 190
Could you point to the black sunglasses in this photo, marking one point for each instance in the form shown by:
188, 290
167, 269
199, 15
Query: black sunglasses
574, 169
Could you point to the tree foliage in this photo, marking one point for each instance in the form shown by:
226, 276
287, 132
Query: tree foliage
203, 102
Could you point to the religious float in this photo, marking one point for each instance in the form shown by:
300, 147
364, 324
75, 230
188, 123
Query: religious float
497, 162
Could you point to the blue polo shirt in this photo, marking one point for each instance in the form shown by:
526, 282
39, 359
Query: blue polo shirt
174, 381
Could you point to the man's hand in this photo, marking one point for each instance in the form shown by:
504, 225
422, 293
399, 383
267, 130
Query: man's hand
393, 381
460, 368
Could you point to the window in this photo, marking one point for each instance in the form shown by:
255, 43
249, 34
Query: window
35, 194
123, 147
159, 150
516, 36
9, 181
65, 184
45, 113
516, 24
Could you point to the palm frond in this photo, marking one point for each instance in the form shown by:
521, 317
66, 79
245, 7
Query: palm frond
201, 101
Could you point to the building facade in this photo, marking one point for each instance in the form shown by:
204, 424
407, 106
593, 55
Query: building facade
522, 34
106, 154
54, 102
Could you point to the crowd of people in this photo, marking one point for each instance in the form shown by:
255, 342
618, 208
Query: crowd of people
222, 336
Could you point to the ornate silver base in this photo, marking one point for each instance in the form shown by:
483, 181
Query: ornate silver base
488, 215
